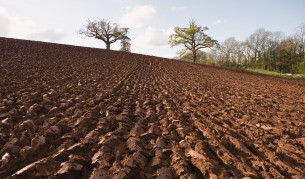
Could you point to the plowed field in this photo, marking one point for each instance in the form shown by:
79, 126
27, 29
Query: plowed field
75, 112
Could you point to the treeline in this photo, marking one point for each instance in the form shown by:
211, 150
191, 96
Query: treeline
266, 50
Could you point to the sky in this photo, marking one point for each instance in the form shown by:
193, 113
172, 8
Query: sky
150, 21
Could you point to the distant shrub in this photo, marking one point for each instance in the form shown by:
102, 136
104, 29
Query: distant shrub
301, 67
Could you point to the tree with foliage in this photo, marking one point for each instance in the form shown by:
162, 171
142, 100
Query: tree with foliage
103, 30
192, 38
265, 50
125, 43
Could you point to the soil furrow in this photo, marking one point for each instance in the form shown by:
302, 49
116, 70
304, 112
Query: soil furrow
75, 112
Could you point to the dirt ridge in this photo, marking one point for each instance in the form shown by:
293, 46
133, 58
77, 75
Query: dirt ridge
74, 112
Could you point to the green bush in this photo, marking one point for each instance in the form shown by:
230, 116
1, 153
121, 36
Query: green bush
301, 67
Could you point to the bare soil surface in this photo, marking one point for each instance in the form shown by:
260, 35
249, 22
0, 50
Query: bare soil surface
75, 112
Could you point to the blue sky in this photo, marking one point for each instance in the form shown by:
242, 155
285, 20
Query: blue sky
150, 21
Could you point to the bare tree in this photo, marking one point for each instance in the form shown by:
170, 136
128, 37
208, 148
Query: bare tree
258, 44
300, 37
227, 48
102, 30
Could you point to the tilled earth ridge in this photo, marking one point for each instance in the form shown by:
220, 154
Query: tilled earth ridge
75, 112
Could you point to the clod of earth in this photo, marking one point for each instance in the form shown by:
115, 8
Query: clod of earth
109, 114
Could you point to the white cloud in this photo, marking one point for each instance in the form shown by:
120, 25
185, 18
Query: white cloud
138, 17
25, 28
154, 37
178, 8
52, 35
21, 27
5, 22
170, 31
218, 22
126, 8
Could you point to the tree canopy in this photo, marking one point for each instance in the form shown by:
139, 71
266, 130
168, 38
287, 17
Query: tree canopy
103, 30
192, 38
125, 43
265, 50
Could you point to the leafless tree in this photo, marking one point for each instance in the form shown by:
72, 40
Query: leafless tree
300, 38
103, 30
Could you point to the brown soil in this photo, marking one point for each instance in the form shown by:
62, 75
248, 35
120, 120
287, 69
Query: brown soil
74, 112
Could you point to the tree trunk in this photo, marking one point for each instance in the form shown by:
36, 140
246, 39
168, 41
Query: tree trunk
108, 46
194, 56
